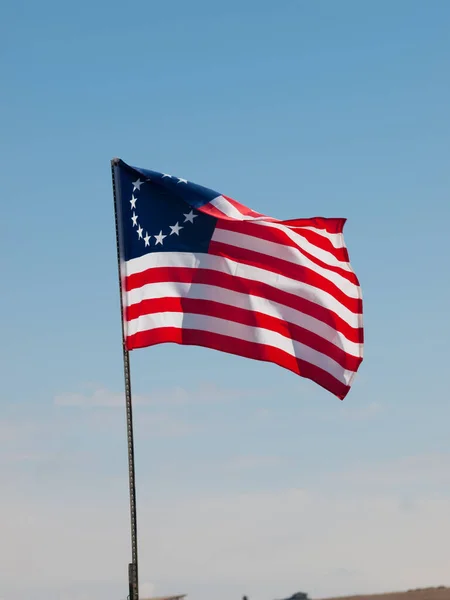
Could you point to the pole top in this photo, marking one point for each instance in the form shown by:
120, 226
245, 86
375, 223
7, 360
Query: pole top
115, 161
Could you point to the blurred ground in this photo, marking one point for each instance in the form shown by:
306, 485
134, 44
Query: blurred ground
440, 593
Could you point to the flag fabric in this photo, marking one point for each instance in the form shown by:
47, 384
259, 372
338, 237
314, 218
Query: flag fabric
199, 268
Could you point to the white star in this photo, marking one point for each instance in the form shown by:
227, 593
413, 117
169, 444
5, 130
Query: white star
159, 238
175, 229
147, 239
137, 184
190, 217
139, 232
134, 219
133, 201
181, 180
166, 175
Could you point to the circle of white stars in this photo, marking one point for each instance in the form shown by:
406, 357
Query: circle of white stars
161, 236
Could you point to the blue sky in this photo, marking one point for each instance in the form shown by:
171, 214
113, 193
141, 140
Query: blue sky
250, 480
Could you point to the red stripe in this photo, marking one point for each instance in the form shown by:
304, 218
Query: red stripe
244, 286
321, 242
286, 269
223, 343
328, 225
250, 318
278, 236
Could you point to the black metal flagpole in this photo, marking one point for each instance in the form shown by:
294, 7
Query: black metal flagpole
133, 581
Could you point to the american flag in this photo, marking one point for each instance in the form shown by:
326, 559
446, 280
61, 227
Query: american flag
199, 268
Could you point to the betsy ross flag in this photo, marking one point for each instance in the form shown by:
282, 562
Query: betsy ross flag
199, 268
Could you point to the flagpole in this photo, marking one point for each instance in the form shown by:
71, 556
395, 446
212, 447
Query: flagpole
133, 581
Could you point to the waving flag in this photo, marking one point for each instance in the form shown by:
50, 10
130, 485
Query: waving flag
198, 268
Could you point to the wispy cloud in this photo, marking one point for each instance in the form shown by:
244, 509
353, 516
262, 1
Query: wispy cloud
423, 469
363, 412
20, 442
24, 457
262, 414
164, 425
100, 397
347, 411
248, 463
103, 397
12, 430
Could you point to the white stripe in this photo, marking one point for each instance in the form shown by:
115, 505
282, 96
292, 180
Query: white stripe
198, 291
337, 239
287, 253
229, 209
226, 265
302, 242
240, 332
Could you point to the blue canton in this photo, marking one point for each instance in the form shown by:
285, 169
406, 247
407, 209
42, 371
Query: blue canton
157, 212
